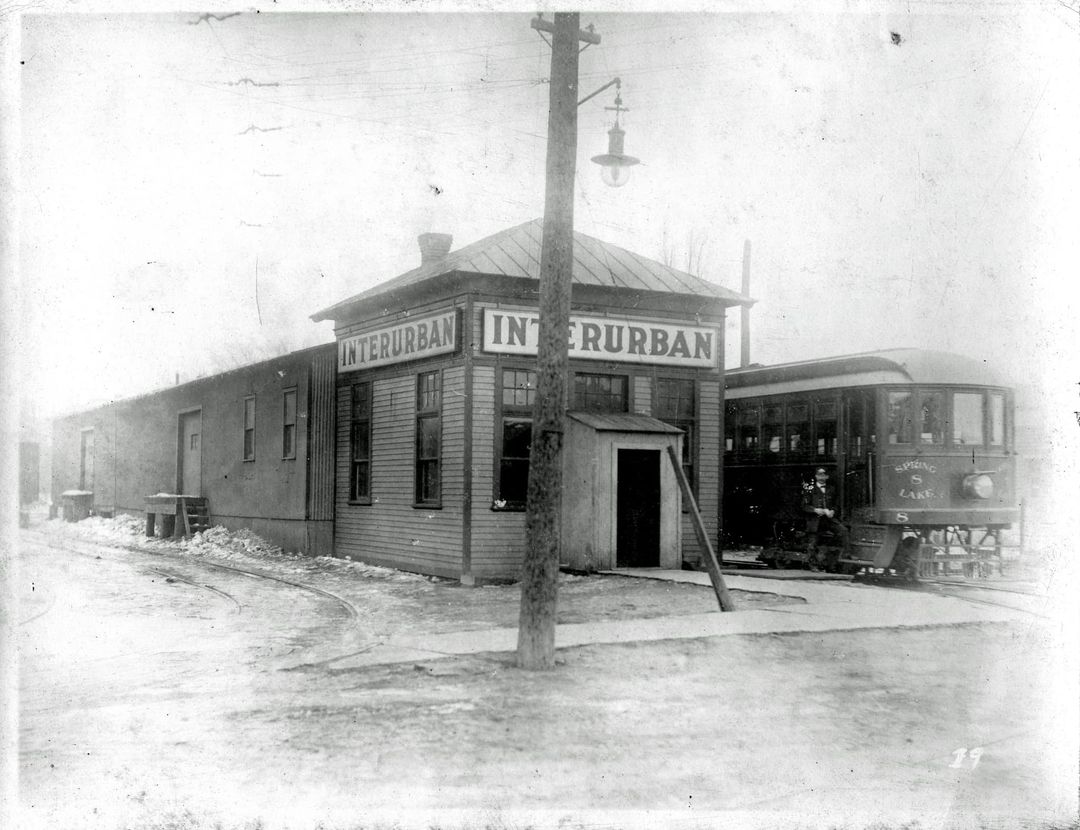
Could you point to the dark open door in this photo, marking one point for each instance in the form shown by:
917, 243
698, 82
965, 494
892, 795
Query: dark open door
637, 537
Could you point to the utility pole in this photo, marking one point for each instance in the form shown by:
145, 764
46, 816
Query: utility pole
543, 510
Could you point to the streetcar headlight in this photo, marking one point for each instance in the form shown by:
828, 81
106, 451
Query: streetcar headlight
978, 486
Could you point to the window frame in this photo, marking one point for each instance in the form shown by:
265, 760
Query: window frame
751, 454
358, 466
806, 449
578, 403
287, 453
907, 416
772, 429
817, 404
244, 454
731, 430
983, 419
421, 463
510, 412
919, 419
991, 396
691, 440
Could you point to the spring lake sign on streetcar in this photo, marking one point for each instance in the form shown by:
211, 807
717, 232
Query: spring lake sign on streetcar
606, 338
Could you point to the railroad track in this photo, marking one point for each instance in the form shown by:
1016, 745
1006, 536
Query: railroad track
94, 549
961, 591
171, 576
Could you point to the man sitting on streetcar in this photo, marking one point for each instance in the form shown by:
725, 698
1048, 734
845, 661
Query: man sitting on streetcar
821, 504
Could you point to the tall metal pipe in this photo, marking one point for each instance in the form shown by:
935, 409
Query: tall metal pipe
744, 311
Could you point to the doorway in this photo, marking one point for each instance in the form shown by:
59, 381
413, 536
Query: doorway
189, 458
637, 536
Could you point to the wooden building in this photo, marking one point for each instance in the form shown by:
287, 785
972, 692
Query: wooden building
255, 443
435, 387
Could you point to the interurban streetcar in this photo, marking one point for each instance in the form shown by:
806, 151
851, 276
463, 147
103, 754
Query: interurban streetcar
918, 443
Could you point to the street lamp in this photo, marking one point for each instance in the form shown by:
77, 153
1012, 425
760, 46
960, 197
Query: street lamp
615, 165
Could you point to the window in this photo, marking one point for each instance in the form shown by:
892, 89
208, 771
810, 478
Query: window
428, 437
997, 419
931, 415
518, 398
748, 431
772, 431
900, 417
731, 415
249, 429
798, 429
360, 443
601, 393
825, 429
858, 408
288, 424
967, 424
675, 405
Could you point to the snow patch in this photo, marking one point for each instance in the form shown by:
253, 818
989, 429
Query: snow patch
220, 544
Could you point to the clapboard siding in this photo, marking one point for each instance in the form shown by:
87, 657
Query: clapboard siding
708, 491
641, 403
321, 437
391, 531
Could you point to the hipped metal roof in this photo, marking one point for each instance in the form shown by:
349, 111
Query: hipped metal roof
515, 253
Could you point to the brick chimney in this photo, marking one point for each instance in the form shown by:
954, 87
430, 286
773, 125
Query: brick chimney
434, 246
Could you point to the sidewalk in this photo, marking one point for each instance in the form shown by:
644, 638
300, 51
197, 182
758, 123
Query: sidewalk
829, 606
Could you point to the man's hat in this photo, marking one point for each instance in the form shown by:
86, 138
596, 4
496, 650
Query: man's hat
821, 470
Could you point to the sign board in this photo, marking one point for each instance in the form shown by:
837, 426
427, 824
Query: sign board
412, 340
507, 331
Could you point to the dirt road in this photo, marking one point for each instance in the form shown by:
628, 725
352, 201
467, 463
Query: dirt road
150, 700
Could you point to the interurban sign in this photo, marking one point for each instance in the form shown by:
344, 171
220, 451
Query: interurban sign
605, 338
414, 339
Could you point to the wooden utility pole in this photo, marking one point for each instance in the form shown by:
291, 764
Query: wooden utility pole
543, 510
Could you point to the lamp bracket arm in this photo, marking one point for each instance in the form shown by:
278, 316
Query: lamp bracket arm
608, 85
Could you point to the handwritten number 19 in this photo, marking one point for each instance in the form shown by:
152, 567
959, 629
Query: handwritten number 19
974, 754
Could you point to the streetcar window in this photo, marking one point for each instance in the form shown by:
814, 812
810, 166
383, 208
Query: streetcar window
798, 428
900, 417
931, 414
997, 419
748, 429
731, 412
825, 429
856, 428
871, 422
772, 429
967, 418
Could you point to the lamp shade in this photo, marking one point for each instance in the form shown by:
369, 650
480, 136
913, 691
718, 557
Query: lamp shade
615, 164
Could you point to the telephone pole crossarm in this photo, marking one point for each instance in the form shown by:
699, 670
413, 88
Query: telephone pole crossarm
584, 35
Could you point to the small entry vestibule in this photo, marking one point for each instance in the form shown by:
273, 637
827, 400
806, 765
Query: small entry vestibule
622, 505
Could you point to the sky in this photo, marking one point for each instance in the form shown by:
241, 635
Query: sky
192, 188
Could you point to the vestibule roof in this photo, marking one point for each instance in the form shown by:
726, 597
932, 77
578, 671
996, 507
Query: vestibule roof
515, 253
622, 422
